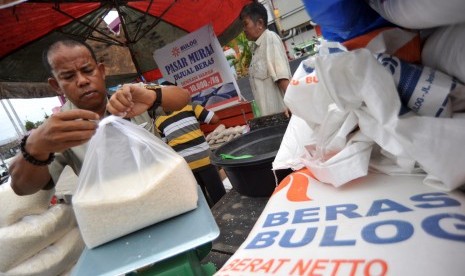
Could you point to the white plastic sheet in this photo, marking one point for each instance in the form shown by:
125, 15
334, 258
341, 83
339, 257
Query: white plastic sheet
297, 134
360, 89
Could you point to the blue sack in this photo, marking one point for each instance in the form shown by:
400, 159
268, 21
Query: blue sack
341, 20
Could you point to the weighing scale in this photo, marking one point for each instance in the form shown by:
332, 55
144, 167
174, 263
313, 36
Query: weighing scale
153, 244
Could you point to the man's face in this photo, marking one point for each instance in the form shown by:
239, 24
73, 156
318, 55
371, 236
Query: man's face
77, 76
251, 29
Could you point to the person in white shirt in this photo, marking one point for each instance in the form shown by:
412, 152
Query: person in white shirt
269, 70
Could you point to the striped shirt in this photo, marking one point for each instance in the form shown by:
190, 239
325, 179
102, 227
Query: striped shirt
181, 129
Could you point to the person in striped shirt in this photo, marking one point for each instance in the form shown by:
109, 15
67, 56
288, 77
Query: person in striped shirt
181, 130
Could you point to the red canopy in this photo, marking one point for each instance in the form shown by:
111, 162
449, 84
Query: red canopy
27, 28
29, 21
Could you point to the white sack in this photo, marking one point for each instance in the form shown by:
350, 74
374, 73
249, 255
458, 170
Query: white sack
420, 14
14, 207
376, 225
357, 83
339, 154
304, 96
297, 135
422, 89
384, 162
325, 145
54, 259
33, 233
444, 50
129, 180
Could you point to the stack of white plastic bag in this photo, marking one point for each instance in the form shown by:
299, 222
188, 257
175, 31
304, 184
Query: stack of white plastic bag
444, 23
129, 180
371, 110
36, 238
444, 49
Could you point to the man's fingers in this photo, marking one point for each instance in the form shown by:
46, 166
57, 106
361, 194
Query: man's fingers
69, 139
120, 102
287, 112
76, 125
56, 126
76, 114
54, 140
117, 109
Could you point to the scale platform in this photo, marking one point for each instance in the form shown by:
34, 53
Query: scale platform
151, 244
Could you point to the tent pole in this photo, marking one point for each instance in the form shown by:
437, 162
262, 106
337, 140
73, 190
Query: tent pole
11, 119
129, 42
87, 25
155, 22
16, 116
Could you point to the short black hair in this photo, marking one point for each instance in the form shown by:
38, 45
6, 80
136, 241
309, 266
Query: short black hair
66, 42
255, 11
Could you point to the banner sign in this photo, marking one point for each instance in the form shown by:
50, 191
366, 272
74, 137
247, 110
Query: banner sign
197, 63
375, 225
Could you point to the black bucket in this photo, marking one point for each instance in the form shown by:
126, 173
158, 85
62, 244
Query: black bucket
253, 176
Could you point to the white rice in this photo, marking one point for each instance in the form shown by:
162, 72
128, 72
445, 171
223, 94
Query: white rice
124, 209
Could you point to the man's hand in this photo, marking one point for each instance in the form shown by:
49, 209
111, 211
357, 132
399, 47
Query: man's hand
58, 133
62, 131
287, 112
133, 99
130, 100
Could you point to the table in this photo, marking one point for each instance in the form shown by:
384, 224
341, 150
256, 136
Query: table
152, 244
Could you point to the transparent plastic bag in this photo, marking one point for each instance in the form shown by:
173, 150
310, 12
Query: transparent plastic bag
130, 179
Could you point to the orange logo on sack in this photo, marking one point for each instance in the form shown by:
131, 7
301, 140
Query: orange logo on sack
308, 80
294, 82
311, 79
299, 181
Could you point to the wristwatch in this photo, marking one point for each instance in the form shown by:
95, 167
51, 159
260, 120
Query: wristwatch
157, 89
